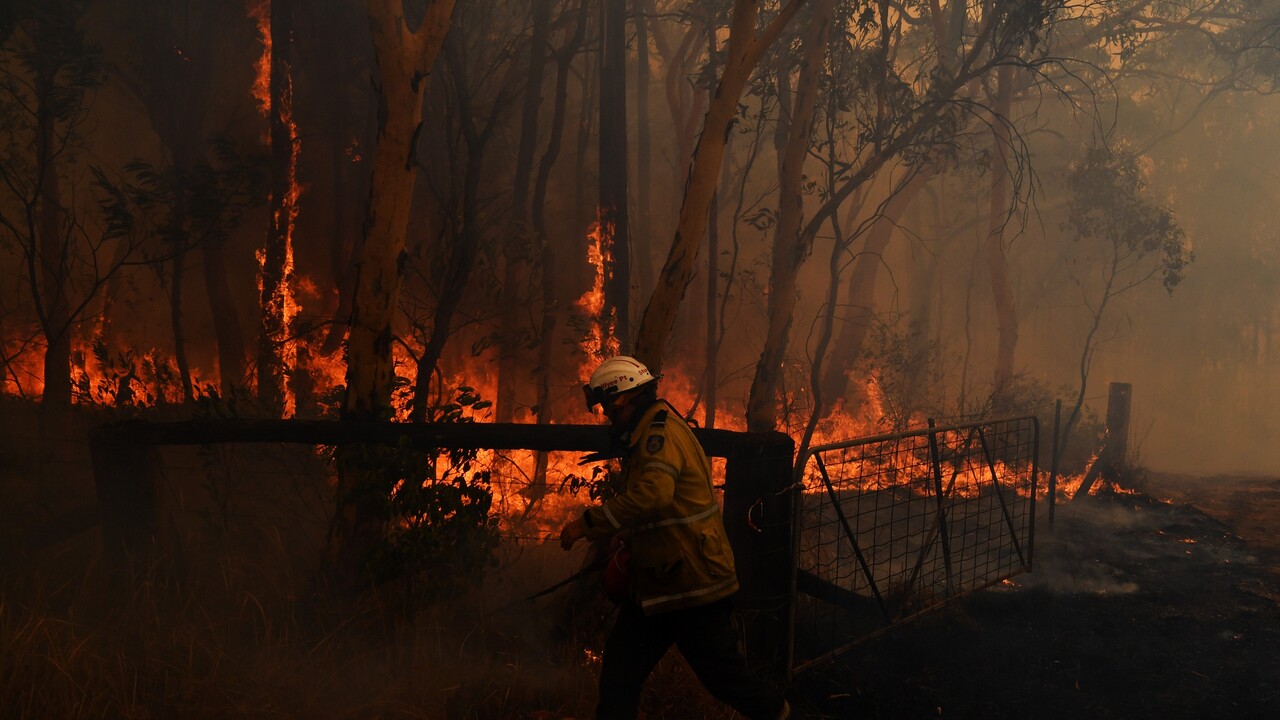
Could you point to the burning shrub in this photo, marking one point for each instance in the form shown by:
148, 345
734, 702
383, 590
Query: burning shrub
440, 527
436, 507
1028, 396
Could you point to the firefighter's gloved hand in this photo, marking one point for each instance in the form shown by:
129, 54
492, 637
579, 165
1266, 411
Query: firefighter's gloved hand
572, 532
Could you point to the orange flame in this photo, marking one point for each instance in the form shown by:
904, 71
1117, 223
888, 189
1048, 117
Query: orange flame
260, 11
599, 342
282, 303
23, 370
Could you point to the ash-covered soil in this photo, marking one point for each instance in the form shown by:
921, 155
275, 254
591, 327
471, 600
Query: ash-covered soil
1164, 604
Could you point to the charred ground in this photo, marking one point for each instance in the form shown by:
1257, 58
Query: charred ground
1137, 608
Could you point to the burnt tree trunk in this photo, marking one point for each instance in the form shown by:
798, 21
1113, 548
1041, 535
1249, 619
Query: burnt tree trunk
276, 261
583, 210
177, 94
712, 346
614, 220
331, 57
1119, 400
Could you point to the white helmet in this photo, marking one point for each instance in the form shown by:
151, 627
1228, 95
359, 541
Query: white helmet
616, 375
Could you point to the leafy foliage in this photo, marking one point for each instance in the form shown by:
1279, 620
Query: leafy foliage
435, 504
185, 208
1108, 202
605, 482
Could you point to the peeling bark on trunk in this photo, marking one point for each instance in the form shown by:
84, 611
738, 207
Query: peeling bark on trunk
404, 65
744, 52
405, 59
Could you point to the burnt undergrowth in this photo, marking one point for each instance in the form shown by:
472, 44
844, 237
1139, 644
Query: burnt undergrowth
1136, 608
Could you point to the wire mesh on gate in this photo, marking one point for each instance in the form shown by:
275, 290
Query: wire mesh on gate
892, 526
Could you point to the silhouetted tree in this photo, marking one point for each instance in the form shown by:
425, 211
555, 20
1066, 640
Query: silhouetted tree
47, 74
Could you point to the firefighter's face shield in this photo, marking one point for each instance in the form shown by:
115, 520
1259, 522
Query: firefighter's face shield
602, 396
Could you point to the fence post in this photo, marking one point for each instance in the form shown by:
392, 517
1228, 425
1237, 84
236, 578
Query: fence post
1053, 460
1118, 402
125, 471
1112, 458
758, 497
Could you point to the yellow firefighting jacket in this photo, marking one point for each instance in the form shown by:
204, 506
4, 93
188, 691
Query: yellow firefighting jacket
680, 555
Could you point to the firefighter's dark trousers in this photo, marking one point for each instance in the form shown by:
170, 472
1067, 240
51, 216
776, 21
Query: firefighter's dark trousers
708, 639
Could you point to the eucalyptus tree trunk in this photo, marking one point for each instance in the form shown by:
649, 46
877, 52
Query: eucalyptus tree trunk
276, 266
52, 258
745, 49
517, 243
226, 319
584, 211
178, 242
327, 50
405, 58
998, 217
177, 95
790, 250
551, 290
860, 300
684, 103
644, 152
614, 218
465, 244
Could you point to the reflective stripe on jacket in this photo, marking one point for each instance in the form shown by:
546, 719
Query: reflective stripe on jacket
680, 555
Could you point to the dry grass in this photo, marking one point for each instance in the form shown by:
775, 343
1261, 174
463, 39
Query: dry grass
162, 650
76, 642
222, 622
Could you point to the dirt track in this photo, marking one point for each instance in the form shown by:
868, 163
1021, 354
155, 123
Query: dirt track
1159, 606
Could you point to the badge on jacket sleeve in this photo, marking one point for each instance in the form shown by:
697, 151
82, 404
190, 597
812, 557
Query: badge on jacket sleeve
654, 443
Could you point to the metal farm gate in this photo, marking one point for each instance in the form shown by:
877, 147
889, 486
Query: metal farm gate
892, 526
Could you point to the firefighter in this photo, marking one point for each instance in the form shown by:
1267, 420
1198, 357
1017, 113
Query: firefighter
681, 565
